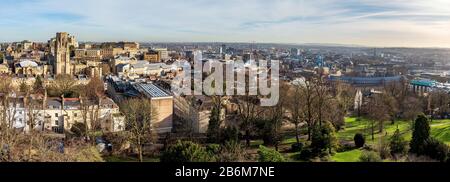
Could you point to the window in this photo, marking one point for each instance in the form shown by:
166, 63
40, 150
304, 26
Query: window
20, 120
56, 114
56, 122
75, 115
20, 112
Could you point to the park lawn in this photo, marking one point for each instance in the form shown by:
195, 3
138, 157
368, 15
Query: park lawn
354, 126
440, 129
348, 156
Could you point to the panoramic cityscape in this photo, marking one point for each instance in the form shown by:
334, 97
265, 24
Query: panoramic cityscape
305, 81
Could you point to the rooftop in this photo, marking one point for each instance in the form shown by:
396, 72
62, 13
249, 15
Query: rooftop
151, 90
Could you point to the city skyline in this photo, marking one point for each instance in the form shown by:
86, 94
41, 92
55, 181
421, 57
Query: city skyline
368, 23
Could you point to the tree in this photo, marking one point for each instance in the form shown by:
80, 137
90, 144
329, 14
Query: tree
295, 110
272, 119
23, 87
269, 155
324, 139
359, 140
436, 149
322, 99
185, 151
229, 134
412, 107
376, 112
392, 109
398, 144
139, 115
95, 91
63, 85
421, 133
213, 132
440, 101
78, 129
231, 151
248, 113
38, 85
309, 98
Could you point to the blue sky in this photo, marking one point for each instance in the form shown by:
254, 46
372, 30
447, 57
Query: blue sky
411, 23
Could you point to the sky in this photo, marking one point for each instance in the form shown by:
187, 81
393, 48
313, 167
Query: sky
383, 23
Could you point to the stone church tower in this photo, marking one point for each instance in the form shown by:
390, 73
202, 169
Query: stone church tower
62, 54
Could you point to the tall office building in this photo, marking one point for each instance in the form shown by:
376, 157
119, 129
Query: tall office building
163, 53
198, 56
61, 63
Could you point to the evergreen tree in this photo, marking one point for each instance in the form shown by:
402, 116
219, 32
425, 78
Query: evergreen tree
398, 144
421, 133
269, 155
38, 85
185, 151
324, 139
213, 132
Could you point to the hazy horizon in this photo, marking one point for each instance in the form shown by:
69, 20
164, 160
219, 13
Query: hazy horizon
368, 23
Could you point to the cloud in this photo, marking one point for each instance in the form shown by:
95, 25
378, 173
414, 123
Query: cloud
369, 22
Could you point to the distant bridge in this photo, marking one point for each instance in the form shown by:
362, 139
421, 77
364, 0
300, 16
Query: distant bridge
422, 86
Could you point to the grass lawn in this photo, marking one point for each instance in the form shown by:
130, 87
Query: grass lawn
349, 156
440, 129
354, 125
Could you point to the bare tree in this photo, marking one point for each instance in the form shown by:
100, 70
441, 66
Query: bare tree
275, 115
309, 98
376, 112
440, 102
139, 117
322, 99
295, 109
247, 111
63, 84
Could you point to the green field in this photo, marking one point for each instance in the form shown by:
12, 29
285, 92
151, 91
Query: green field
349, 156
440, 129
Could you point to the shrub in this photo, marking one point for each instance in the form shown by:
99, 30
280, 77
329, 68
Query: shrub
231, 151
436, 149
230, 134
120, 142
297, 147
185, 151
305, 154
323, 139
78, 129
384, 150
269, 155
213, 149
360, 140
398, 144
370, 156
